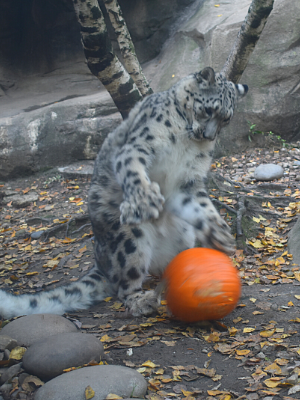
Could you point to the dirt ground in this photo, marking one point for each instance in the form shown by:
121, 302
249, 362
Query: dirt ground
253, 353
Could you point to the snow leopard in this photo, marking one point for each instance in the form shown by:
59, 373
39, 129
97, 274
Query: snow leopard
148, 199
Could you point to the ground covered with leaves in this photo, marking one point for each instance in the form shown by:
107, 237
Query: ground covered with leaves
253, 353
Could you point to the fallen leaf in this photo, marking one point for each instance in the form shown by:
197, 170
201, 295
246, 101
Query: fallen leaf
89, 393
149, 364
17, 353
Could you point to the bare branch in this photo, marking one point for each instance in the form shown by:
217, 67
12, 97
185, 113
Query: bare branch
126, 45
248, 35
101, 60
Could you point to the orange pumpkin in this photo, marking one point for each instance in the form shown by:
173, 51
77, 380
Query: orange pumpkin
201, 284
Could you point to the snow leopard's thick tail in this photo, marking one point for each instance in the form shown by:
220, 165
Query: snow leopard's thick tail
89, 290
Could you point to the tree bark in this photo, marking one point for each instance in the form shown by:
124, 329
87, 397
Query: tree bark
126, 45
248, 35
101, 60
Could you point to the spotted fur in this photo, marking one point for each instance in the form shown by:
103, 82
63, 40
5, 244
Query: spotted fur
147, 199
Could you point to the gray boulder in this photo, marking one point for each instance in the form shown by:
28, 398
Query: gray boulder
272, 74
294, 242
268, 172
32, 328
50, 356
103, 379
56, 134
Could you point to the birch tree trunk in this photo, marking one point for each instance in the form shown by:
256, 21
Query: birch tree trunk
248, 35
101, 60
126, 45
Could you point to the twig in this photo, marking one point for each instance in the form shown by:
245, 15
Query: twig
240, 213
79, 229
224, 205
82, 217
31, 220
221, 177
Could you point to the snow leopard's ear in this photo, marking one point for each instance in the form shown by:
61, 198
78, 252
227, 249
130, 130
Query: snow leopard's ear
207, 74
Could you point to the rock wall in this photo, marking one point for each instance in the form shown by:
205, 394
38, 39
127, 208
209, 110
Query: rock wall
55, 135
183, 36
272, 74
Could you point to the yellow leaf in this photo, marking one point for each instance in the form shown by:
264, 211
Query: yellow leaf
28, 248
267, 333
242, 352
295, 320
297, 296
238, 319
107, 299
217, 5
74, 266
273, 369
105, 338
215, 392
257, 244
89, 393
281, 361
297, 275
256, 219
32, 273
290, 304
17, 353
232, 331
248, 330
163, 302
257, 312
52, 263
272, 382
146, 325
112, 396
116, 305
253, 299
206, 372
213, 337
186, 393
149, 364
160, 371
169, 343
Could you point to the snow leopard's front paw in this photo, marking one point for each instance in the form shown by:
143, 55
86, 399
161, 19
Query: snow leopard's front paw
215, 233
142, 303
222, 238
142, 204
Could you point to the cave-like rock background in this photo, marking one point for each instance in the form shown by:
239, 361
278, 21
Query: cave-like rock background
53, 111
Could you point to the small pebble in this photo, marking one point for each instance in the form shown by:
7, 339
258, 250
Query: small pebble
36, 235
268, 172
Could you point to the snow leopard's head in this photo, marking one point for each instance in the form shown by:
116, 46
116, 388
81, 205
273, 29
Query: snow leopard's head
214, 103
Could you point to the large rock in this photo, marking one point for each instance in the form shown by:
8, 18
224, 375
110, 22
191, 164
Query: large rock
103, 379
32, 328
56, 134
50, 356
272, 74
294, 242
35, 136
